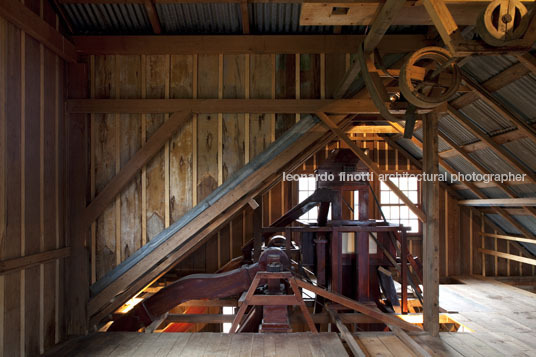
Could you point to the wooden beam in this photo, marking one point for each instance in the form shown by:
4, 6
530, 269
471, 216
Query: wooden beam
245, 16
529, 61
517, 258
443, 21
372, 129
148, 150
153, 16
499, 202
346, 335
430, 193
148, 106
492, 144
370, 42
21, 16
354, 305
508, 237
370, 164
381, 24
410, 3
253, 44
29, 261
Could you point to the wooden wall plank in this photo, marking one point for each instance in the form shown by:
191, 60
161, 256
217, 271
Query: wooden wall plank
181, 153
233, 132
105, 83
130, 143
260, 88
207, 128
3, 200
11, 248
32, 191
156, 82
50, 197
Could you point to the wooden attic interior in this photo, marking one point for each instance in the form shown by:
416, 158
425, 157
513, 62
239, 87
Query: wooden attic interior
142, 155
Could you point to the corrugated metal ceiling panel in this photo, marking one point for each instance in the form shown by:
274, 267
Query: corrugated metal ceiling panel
492, 162
503, 223
519, 97
524, 150
192, 18
483, 68
524, 190
280, 18
486, 118
455, 131
108, 19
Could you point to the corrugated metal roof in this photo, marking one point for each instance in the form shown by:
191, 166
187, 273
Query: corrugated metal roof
524, 150
486, 118
494, 192
518, 97
467, 194
524, 190
494, 164
108, 18
461, 165
442, 145
191, 18
483, 68
503, 223
280, 18
455, 131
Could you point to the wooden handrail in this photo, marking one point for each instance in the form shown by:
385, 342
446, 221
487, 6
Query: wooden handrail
507, 237
517, 258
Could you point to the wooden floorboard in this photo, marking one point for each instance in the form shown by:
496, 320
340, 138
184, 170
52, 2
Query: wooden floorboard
501, 319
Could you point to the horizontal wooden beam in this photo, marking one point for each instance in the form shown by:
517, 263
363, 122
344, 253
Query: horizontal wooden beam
21, 16
499, 202
240, 44
372, 129
507, 237
320, 318
33, 260
517, 258
147, 106
410, 3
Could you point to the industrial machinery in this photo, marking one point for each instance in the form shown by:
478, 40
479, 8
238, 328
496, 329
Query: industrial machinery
314, 256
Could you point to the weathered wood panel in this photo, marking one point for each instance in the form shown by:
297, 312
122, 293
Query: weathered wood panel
105, 87
130, 143
207, 128
181, 146
156, 78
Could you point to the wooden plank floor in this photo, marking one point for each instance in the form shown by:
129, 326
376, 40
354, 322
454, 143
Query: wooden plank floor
502, 319
133, 344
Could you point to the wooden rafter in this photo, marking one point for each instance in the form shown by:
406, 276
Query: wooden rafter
242, 44
372, 40
245, 16
370, 164
486, 96
25, 19
529, 61
499, 202
153, 16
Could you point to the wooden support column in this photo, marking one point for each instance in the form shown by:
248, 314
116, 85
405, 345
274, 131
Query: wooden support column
257, 228
430, 191
77, 272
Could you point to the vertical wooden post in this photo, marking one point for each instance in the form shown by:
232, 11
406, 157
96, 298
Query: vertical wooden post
77, 273
483, 241
404, 271
430, 191
257, 229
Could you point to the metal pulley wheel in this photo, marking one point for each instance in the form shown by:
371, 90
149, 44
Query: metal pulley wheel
502, 21
429, 77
